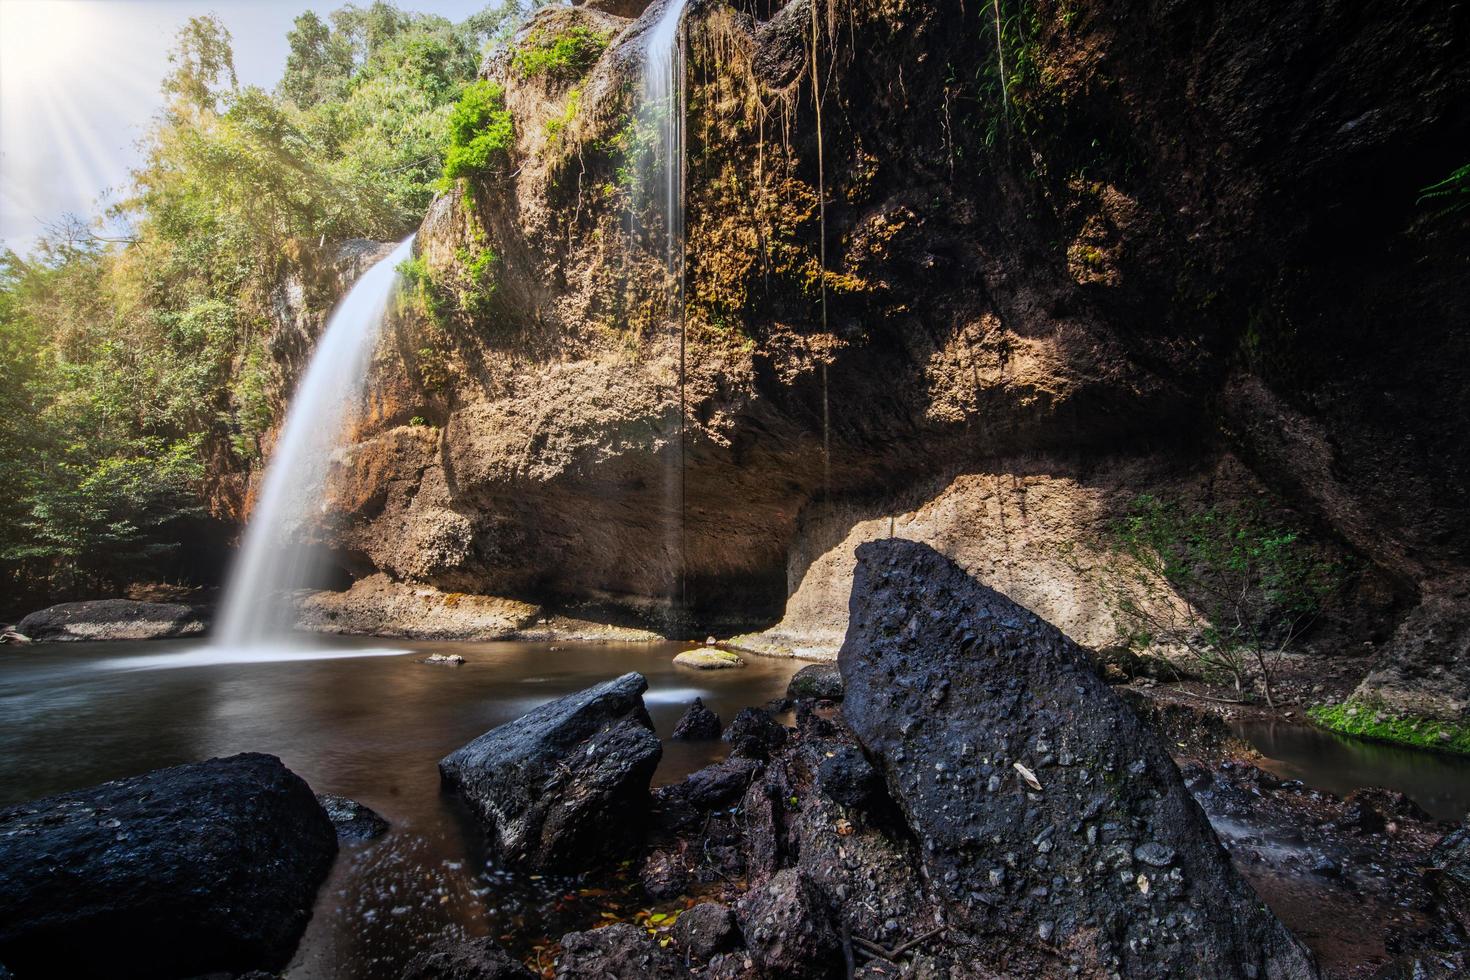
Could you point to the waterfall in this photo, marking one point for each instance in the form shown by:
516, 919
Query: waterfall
269, 564
661, 107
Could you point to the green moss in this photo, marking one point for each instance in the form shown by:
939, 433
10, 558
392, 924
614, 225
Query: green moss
562, 56
1363, 720
557, 125
480, 132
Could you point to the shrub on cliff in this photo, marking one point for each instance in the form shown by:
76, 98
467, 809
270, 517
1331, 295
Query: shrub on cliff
480, 132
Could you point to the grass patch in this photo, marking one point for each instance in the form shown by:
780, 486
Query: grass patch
562, 56
1363, 720
480, 133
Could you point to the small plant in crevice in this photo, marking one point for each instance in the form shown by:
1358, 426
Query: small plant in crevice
1450, 195
1226, 584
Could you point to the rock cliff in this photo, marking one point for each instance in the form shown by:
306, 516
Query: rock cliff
973, 282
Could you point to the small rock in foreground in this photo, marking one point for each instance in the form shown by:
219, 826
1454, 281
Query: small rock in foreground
352, 820
620, 952
452, 659
697, 723
474, 959
816, 681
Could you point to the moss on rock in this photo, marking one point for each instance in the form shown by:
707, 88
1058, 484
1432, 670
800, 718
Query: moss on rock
1363, 720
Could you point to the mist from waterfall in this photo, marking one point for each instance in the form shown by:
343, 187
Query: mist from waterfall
273, 560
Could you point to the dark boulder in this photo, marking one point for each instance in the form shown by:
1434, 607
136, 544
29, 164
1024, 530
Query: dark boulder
616, 952
474, 959
755, 734
789, 929
1450, 874
114, 619
847, 777
663, 875
352, 820
1046, 811
705, 931
564, 787
816, 681
685, 804
697, 723
208, 867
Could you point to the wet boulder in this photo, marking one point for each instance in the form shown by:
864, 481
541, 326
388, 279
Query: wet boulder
616, 952
698, 723
474, 959
755, 734
816, 681
564, 787
352, 820
686, 804
114, 619
200, 868
1045, 810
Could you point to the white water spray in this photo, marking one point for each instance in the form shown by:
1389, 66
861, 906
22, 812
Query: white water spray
270, 564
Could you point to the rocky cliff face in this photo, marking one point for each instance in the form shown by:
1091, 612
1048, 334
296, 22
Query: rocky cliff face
980, 284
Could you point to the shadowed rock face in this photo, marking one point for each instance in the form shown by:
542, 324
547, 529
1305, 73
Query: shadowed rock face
1043, 808
174, 873
565, 786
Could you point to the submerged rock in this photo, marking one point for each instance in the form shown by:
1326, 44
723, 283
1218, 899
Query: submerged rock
1039, 798
708, 659
114, 619
452, 659
183, 871
697, 723
816, 681
565, 786
352, 820
474, 959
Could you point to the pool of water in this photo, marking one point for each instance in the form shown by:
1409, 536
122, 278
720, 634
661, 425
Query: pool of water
363, 723
1439, 783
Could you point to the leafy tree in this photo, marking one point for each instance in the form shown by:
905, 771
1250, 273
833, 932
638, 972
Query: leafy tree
1250, 587
203, 63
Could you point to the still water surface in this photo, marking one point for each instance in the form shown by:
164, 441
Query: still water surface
372, 727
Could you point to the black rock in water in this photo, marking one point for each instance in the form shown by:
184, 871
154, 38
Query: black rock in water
697, 723
755, 734
816, 681
564, 787
473, 959
352, 820
114, 619
208, 867
685, 804
1045, 811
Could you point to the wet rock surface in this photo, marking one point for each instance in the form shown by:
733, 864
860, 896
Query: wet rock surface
565, 786
475, 959
114, 619
189, 870
755, 734
698, 723
816, 681
352, 820
1044, 808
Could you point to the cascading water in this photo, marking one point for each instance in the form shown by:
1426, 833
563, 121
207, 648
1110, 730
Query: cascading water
269, 564
661, 108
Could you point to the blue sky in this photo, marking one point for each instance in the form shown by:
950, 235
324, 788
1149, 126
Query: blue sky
79, 84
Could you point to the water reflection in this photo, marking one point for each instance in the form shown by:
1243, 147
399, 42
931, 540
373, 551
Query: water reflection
369, 729
1438, 783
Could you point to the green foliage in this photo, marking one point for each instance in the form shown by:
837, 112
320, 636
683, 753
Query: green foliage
1451, 194
557, 125
563, 56
1363, 720
480, 132
135, 375
1250, 587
